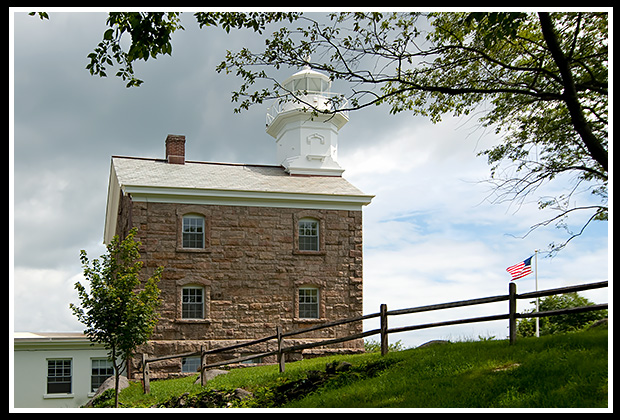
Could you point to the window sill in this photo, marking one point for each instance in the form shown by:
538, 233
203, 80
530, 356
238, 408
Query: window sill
192, 321
298, 252
57, 396
310, 320
193, 250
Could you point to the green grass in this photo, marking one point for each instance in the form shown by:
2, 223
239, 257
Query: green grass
567, 370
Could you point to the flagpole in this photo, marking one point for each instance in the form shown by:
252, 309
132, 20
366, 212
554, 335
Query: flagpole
536, 276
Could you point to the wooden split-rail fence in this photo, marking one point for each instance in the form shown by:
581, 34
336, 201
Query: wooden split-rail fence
383, 329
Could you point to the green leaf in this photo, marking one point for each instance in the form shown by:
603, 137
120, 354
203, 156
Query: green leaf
108, 34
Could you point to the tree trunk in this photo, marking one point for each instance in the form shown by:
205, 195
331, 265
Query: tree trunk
116, 380
592, 143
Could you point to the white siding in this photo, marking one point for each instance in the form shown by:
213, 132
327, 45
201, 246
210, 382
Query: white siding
30, 371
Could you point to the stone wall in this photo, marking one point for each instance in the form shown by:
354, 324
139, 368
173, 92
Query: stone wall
250, 272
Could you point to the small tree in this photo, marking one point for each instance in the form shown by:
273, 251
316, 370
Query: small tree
118, 312
560, 323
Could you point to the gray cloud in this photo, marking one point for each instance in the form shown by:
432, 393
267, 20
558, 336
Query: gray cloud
67, 124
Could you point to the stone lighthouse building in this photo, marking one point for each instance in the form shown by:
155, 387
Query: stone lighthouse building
247, 247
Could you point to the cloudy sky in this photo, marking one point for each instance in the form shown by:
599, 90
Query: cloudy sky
430, 234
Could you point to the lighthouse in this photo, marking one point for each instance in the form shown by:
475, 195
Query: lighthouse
307, 141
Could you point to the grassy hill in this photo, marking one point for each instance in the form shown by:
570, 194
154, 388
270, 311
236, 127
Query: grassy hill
567, 370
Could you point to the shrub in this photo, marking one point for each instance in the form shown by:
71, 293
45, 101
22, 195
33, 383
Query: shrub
560, 323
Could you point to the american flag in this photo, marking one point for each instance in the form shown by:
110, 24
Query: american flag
520, 270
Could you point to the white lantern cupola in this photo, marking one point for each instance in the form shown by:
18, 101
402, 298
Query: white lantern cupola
307, 142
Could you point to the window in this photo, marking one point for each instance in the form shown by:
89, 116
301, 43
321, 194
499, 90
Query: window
192, 303
59, 376
190, 364
192, 300
309, 84
193, 231
308, 235
308, 303
101, 370
252, 361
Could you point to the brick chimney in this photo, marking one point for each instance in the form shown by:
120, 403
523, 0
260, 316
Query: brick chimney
175, 149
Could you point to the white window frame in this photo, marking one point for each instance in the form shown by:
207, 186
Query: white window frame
106, 367
312, 226
192, 311
195, 231
306, 308
55, 370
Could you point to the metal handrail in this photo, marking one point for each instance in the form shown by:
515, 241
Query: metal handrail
294, 103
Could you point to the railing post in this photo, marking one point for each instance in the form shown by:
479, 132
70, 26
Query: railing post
203, 360
280, 354
146, 382
384, 329
512, 312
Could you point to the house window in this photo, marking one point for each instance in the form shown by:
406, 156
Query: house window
193, 231
192, 303
309, 303
101, 370
252, 361
308, 235
190, 364
59, 376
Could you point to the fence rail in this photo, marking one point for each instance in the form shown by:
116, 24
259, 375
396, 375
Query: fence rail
383, 329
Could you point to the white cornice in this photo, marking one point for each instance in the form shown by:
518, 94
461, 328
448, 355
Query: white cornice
49, 341
247, 198
215, 184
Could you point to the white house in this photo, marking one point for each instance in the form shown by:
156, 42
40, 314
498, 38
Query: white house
57, 370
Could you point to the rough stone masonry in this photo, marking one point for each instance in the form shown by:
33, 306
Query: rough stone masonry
250, 270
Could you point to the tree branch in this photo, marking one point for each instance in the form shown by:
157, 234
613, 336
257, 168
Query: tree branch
591, 142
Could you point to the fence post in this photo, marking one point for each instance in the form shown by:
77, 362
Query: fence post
280, 354
512, 312
203, 360
146, 382
384, 329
